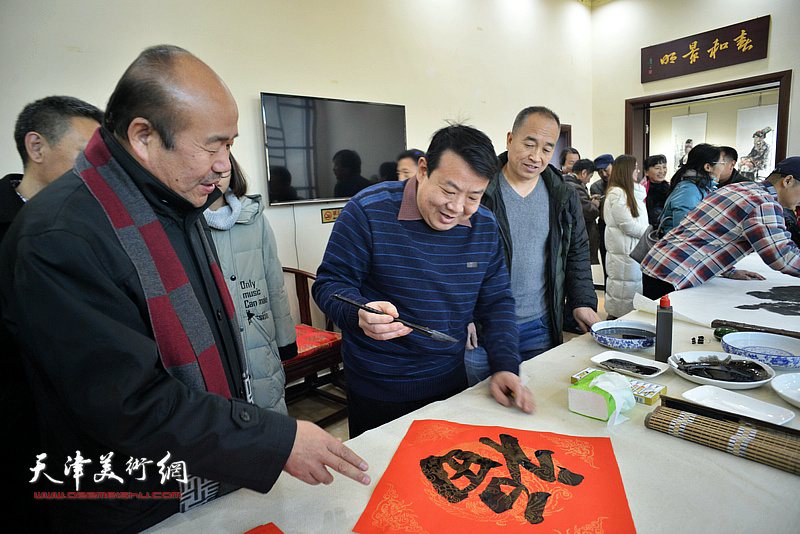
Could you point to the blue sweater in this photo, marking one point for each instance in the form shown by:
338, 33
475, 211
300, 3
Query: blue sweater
435, 278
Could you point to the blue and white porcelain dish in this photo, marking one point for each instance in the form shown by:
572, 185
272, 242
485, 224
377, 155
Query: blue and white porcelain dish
624, 334
773, 349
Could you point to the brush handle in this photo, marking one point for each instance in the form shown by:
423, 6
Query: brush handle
424, 329
744, 327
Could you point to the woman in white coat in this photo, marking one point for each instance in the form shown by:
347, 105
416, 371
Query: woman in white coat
625, 214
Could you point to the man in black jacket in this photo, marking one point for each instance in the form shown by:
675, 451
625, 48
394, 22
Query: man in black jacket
581, 174
603, 165
110, 286
547, 251
729, 174
49, 134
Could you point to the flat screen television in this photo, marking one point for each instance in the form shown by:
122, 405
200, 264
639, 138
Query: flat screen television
303, 135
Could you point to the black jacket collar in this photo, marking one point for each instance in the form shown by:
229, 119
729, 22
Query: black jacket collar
10, 203
557, 189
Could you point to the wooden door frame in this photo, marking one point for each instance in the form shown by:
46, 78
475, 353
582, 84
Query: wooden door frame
637, 110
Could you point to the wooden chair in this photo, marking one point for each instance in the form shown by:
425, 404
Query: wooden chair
317, 350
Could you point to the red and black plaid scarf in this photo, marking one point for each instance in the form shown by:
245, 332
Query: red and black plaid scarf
184, 338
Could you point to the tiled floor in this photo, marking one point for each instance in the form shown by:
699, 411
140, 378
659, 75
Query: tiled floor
313, 408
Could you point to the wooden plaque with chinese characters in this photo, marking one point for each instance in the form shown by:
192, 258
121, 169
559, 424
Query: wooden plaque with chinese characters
448, 477
731, 45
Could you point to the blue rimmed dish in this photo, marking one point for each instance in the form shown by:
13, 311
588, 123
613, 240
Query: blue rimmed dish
624, 334
773, 349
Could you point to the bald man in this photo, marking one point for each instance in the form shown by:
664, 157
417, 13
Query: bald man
129, 338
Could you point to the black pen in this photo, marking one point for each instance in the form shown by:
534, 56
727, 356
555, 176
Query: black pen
430, 332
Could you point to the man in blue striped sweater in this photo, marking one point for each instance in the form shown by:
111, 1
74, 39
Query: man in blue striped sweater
427, 251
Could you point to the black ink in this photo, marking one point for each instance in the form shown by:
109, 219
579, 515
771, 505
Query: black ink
500, 502
617, 364
493, 495
433, 469
728, 370
787, 300
625, 333
515, 457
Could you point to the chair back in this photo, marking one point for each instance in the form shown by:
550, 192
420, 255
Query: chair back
302, 290
317, 351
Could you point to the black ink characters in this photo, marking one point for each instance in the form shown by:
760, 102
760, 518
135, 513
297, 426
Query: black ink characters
493, 495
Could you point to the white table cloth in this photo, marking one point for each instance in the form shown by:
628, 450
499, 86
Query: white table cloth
672, 485
719, 297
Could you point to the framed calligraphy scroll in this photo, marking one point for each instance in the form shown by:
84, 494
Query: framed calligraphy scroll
449, 477
731, 45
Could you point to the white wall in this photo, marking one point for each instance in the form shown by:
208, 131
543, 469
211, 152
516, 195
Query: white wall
475, 60
621, 28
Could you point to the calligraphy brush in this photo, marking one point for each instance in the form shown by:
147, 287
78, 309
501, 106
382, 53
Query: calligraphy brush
430, 332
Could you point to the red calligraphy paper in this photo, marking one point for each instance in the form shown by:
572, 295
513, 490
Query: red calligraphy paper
448, 477
269, 528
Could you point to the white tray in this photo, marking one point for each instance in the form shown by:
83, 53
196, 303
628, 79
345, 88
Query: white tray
615, 355
728, 401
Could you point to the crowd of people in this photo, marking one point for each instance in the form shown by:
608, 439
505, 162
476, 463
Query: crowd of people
706, 177
130, 236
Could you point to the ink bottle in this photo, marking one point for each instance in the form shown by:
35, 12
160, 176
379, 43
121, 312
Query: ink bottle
663, 330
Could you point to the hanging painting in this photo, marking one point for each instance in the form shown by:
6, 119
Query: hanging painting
755, 140
449, 477
687, 131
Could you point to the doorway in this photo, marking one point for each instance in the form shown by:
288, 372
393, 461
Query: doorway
638, 110
564, 141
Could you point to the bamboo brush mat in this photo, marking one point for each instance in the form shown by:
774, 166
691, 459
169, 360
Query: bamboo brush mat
760, 445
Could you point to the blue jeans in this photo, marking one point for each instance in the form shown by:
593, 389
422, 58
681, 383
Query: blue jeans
534, 339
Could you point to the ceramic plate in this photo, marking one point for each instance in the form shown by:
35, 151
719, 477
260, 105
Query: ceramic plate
624, 334
788, 387
694, 356
614, 355
772, 349
728, 401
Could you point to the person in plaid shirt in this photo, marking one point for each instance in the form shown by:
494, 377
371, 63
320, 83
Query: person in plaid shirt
726, 226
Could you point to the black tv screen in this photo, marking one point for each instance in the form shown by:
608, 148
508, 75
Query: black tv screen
304, 135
